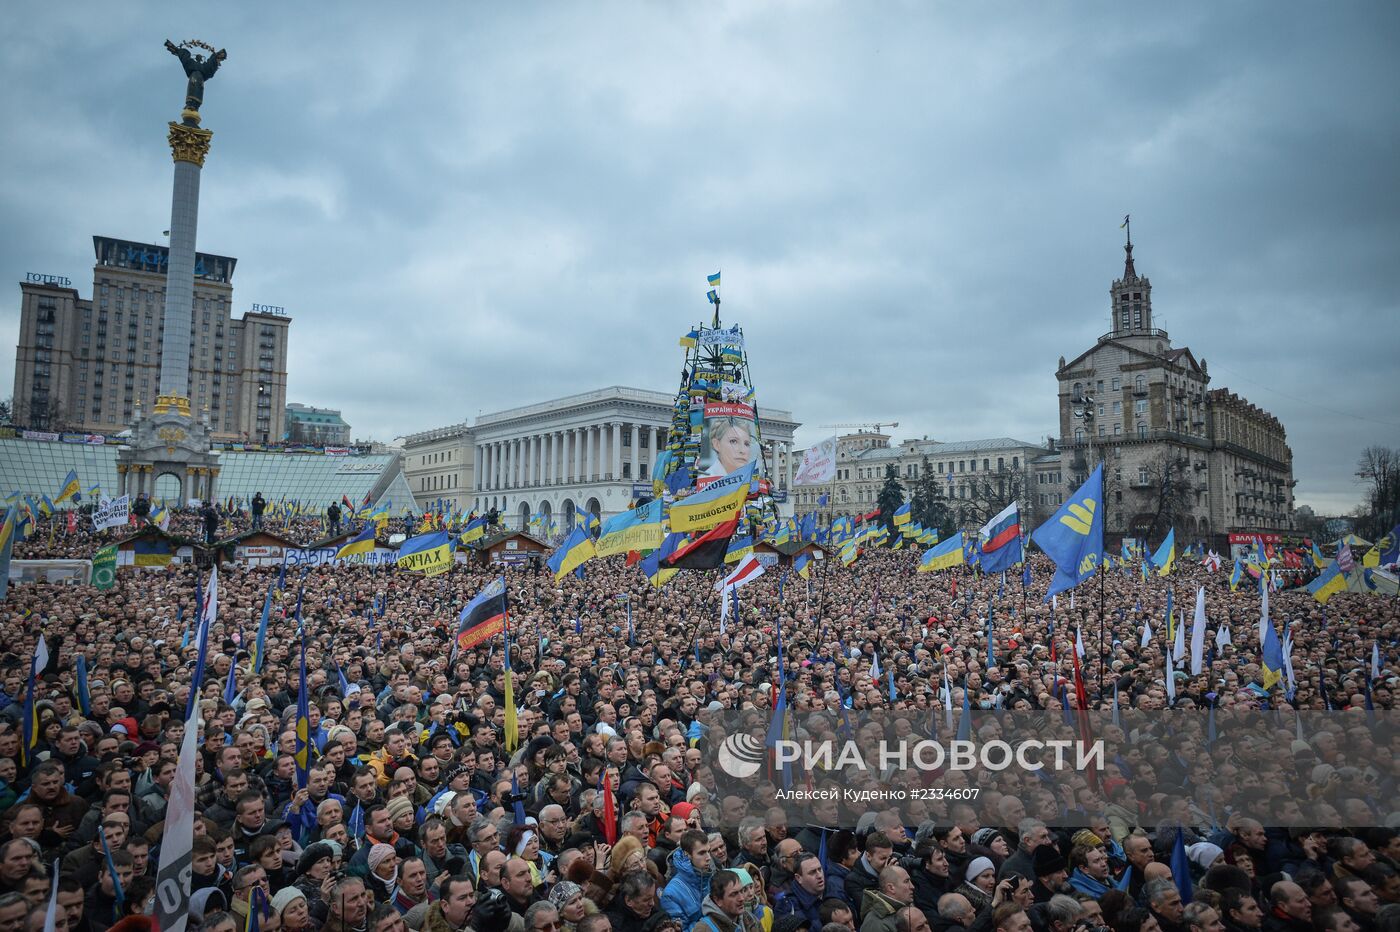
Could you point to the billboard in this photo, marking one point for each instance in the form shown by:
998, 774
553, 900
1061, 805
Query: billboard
728, 441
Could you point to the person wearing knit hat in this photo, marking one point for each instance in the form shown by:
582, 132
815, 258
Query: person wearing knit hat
979, 880
383, 876
1204, 854
686, 812
993, 840
400, 810
567, 897
313, 855
290, 904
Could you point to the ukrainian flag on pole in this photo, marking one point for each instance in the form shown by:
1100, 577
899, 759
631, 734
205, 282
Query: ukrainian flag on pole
71, 488
429, 554
948, 554
1332, 581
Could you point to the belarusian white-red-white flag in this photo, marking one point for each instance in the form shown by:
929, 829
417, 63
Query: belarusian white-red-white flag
748, 570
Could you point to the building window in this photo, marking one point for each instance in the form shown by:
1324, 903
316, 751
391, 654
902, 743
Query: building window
1078, 389
1079, 435
1142, 431
627, 470
1140, 407
1117, 430
1139, 384
1015, 462
1143, 478
1116, 383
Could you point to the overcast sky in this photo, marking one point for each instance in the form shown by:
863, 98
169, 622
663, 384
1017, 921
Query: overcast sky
915, 206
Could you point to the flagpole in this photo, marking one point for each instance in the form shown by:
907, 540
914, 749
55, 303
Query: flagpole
1101, 573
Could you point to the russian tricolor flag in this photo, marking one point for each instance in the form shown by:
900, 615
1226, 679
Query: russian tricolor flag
1001, 541
1002, 529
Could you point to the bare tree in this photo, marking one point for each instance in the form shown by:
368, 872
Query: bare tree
1379, 469
1162, 494
989, 493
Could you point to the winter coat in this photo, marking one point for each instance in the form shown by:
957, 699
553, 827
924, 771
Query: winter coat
685, 891
877, 912
714, 919
860, 879
796, 901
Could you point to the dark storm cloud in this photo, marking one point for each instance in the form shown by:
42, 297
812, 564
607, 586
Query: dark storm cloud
915, 208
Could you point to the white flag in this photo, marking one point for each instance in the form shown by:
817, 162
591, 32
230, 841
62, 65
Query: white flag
51, 914
818, 464
1079, 642
1146, 633
1179, 642
41, 656
1198, 633
177, 842
1171, 676
947, 699
1222, 637
1375, 660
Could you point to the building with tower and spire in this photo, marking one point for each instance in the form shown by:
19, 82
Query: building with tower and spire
1175, 453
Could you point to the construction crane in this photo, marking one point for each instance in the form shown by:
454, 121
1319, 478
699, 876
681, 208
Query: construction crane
861, 427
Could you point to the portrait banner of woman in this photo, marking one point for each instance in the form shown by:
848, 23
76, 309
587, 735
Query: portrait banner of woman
729, 441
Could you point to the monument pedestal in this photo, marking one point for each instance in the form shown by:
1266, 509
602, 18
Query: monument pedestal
170, 442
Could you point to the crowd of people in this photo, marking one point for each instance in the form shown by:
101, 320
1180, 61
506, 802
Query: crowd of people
56, 536
606, 811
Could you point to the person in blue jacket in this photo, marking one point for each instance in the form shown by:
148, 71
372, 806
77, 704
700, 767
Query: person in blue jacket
689, 881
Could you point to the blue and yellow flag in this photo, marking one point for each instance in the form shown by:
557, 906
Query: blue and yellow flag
588, 521
653, 565
944, 556
7, 545
690, 338
1385, 552
429, 554
1319, 561
361, 543
259, 643
1166, 554
1236, 574
512, 724
712, 280
1271, 656
29, 726
803, 565
71, 488
638, 529
302, 751
576, 550
1329, 583
475, 530
903, 515
1073, 537
739, 547
715, 504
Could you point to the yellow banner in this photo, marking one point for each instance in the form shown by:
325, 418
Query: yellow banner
428, 562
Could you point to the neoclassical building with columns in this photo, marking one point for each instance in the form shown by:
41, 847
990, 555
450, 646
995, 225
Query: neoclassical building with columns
588, 452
